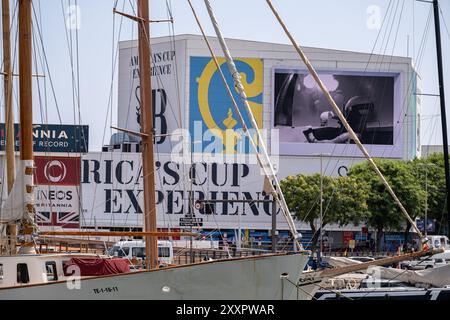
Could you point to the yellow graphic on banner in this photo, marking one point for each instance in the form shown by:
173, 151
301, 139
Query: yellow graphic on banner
230, 120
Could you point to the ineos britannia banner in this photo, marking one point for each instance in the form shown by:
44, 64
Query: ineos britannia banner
113, 195
57, 192
167, 90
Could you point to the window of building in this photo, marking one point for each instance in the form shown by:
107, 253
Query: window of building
50, 267
22, 273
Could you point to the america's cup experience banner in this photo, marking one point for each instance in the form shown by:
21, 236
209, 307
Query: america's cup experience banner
167, 90
211, 115
113, 194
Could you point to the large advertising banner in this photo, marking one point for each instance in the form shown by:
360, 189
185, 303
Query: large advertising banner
52, 138
113, 195
307, 125
167, 77
214, 125
57, 192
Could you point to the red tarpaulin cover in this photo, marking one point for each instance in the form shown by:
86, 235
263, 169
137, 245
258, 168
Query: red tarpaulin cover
97, 266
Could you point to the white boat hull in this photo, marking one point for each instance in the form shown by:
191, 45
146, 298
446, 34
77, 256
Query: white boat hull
256, 278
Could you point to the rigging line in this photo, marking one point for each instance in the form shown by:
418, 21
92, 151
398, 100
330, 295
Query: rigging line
109, 104
390, 62
70, 49
37, 52
365, 70
83, 138
133, 80
43, 69
159, 82
445, 23
11, 25
410, 87
267, 167
114, 53
413, 29
390, 11
158, 77
77, 23
347, 126
48, 70
396, 35
387, 33
160, 85
234, 103
42, 114
172, 34
378, 36
391, 28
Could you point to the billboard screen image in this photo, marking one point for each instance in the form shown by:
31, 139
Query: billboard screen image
304, 116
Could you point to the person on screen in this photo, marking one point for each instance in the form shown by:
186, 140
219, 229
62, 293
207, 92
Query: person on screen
355, 111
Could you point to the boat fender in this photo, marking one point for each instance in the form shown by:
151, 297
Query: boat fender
351, 284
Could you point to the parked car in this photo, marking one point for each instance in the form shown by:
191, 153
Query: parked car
422, 264
135, 249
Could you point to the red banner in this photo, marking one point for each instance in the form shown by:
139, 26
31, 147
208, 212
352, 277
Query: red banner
60, 171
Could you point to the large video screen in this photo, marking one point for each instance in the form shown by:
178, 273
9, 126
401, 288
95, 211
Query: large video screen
307, 123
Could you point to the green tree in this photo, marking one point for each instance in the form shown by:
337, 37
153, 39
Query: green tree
384, 212
344, 200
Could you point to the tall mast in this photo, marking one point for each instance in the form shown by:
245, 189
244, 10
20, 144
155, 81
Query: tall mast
26, 118
9, 116
442, 97
148, 164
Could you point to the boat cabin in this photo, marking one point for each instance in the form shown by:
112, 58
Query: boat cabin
20, 270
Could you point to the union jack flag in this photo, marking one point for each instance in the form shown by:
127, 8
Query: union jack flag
58, 219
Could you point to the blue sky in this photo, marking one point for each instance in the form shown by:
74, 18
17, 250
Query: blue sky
320, 23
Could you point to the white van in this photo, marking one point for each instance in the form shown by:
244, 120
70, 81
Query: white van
135, 249
440, 242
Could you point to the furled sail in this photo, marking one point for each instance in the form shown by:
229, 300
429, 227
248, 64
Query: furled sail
14, 206
435, 277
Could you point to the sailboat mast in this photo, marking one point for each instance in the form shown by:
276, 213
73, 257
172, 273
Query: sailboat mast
9, 116
26, 116
148, 163
442, 97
